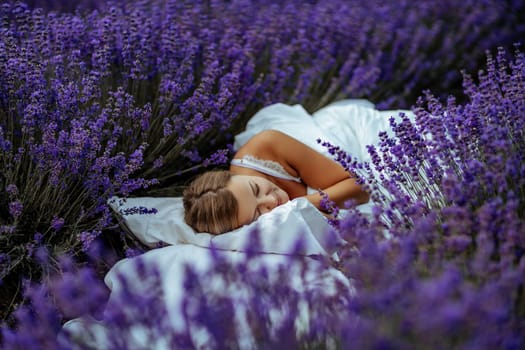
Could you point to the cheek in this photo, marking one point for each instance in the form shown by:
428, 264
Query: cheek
283, 194
267, 187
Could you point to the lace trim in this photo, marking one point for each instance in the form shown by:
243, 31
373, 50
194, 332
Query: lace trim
266, 166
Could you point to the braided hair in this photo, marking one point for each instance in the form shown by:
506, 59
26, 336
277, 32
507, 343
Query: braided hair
208, 205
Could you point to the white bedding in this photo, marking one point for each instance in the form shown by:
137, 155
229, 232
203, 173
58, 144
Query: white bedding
350, 124
278, 230
303, 276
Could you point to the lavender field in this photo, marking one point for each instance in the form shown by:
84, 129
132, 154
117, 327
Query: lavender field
133, 98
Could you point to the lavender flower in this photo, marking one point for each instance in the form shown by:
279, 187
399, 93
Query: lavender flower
15, 209
12, 190
137, 95
453, 252
87, 238
57, 223
138, 210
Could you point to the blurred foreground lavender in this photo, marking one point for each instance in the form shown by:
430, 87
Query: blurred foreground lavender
449, 190
143, 93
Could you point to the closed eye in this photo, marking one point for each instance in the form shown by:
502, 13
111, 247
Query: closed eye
255, 190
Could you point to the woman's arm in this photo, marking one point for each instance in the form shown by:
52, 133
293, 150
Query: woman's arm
340, 193
316, 170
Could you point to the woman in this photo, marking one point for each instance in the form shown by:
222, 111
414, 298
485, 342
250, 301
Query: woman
267, 171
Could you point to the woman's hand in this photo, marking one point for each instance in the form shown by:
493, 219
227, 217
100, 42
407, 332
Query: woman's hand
340, 193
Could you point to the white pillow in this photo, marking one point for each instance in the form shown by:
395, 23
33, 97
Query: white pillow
278, 231
156, 219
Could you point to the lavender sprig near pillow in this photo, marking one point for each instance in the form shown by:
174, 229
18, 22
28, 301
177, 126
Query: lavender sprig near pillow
157, 219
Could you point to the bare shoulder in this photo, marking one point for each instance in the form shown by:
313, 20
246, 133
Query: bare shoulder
266, 143
269, 137
315, 169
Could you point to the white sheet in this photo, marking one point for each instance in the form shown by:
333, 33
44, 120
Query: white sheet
303, 275
349, 124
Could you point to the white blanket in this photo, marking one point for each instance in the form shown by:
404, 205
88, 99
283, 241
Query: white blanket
349, 124
303, 275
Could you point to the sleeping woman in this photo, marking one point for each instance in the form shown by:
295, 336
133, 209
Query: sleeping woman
267, 171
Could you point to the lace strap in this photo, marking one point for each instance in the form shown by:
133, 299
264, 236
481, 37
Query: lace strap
265, 166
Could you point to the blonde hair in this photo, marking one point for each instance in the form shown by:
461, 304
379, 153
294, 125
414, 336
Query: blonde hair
208, 205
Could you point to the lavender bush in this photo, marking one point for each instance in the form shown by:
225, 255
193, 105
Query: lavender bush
122, 97
449, 189
439, 264
241, 304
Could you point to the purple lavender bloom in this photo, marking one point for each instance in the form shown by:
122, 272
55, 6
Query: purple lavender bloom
131, 253
57, 223
218, 158
141, 93
12, 190
138, 210
87, 237
15, 208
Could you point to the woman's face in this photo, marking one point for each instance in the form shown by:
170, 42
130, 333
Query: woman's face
256, 196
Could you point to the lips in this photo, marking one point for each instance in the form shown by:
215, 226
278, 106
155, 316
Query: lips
281, 197
277, 197
277, 200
